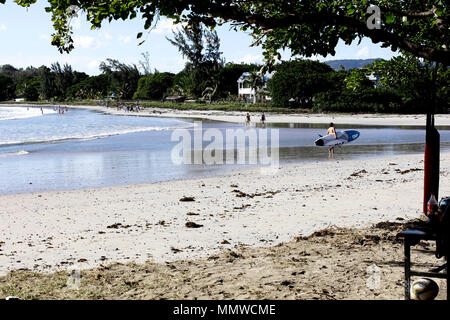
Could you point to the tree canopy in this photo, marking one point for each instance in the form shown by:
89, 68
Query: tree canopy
154, 86
123, 77
307, 27
299, 80
201, 47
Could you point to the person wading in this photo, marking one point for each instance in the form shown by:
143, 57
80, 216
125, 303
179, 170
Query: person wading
331, 130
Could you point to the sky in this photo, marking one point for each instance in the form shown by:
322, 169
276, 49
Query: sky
25, 40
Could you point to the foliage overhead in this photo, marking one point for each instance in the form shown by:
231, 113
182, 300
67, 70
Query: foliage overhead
307, 27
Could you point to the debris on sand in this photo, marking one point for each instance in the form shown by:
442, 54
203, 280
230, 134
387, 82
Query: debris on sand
408, 170
389, 225
191, 224
187, 199
233, 255
241, 194
242, 207
358, 173
320, 233
118, 225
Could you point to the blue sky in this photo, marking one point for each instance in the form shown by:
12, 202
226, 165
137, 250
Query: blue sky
25, 38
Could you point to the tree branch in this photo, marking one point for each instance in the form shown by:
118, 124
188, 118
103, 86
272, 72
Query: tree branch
232, 13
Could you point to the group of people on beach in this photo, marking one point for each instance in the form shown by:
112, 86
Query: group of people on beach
129, 107
121, 106
60, 109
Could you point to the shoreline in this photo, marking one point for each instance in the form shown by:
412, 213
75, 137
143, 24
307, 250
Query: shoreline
50, 231
238, 116
97, 111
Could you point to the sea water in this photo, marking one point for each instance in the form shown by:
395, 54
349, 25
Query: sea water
83, 148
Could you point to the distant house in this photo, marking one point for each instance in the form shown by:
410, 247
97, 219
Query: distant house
247, 93
374, 78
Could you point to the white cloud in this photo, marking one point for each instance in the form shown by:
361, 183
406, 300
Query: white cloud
87, 42
363, 52
249, 58
94, 64
2, 27
166, 26
124, 39
83, 41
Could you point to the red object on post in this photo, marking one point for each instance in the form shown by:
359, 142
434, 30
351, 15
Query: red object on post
431, 162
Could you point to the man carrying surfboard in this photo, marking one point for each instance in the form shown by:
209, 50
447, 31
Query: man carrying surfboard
331, 130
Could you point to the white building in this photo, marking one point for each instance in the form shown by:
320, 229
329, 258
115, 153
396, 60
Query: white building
246, 92
374, 78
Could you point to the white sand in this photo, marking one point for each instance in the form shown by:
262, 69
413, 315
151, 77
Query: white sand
52, 230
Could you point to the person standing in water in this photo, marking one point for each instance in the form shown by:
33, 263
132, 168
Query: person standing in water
331, 130
263, 119
247, 119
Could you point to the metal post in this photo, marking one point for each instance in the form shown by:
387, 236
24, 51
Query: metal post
432, 148
407, 268
431, 162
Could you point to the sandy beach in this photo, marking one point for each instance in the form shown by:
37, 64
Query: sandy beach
50, 231
332, 264
243, 214
273, 219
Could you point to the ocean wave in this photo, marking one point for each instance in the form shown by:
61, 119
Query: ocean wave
12, 113
12, 154
85, 137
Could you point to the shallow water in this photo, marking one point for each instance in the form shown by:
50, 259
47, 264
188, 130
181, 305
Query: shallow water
83, 148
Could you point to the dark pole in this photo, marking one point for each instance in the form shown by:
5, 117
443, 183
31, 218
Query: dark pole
432, 150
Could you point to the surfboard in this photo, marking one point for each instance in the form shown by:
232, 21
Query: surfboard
330, 140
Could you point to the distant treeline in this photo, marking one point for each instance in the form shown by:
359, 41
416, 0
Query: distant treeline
117, 80
400, 85
403, 84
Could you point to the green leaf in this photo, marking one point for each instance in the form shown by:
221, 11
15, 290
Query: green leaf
389, 18
139, 35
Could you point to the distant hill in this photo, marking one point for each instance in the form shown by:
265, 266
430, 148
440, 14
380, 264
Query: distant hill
349, 63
